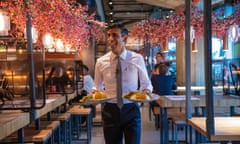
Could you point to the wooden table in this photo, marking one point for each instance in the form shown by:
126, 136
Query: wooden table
13, 121
226, 128
172, 101
221, 101
52, 103
198, 90
177, 101
71, 96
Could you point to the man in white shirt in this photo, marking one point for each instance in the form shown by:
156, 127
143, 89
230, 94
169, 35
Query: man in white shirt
87, 80
125, 120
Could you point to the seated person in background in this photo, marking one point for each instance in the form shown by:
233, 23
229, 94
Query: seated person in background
58, 78
87, 87
161, 59
163, 84
87, 84
87, 80
155, 71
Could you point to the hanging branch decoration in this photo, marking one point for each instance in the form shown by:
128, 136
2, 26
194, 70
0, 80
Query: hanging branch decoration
174, 26
66, 20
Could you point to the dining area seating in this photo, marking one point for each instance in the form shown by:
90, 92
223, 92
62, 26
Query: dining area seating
198, 107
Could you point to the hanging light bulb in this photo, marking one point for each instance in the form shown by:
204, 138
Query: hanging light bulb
47, 41
4, 23
67, 48
59, 45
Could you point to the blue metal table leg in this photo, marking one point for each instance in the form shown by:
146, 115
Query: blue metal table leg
164, 126
21, 135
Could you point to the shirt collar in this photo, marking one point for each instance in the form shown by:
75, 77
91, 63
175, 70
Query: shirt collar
123, 55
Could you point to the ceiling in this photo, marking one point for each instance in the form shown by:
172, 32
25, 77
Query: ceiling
130, 11
127, 12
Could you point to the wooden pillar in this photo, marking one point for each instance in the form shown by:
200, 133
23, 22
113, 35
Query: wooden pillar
197, 64
180, 62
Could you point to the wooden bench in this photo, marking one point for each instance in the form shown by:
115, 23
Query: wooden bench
178, 120
77, 113
171, 112
45, 135
52, 125
65, 125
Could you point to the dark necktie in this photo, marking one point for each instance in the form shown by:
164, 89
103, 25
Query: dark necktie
119, 83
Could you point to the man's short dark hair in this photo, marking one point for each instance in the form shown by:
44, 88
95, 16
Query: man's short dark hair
163, 69
124, 31
161, 54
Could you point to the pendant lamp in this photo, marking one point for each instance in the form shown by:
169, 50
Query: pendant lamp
165, 45
225, 42
194, 46
4, 23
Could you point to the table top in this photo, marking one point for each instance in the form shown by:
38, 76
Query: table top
11, 122
51, 103
226, 128
183, 88
176, 101
71, 95
180, 101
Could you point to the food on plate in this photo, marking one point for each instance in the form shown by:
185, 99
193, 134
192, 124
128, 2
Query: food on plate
136, 95
95, 96
86, 98
141, 96
99, 95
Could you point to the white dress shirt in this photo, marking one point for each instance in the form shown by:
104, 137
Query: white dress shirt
87, 83
133, 67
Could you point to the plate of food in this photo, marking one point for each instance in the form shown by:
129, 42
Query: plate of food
95, 98
139, 96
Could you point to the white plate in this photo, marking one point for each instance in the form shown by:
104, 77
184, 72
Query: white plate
94, 101
149, 98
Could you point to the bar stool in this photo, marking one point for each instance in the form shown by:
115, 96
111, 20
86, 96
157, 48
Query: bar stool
65, 126
52, 125
178, 120
31, 135
77, 113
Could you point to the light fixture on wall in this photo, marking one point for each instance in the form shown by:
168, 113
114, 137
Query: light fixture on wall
192, 34
225, 42
4, 23
48, 42
233, 31
59, 45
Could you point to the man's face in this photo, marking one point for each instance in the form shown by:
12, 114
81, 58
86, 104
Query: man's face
159, 58
115, 40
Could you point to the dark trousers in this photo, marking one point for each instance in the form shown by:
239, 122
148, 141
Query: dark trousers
117, 123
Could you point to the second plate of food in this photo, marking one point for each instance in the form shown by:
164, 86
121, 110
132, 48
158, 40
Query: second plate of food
141, 96
95, 98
